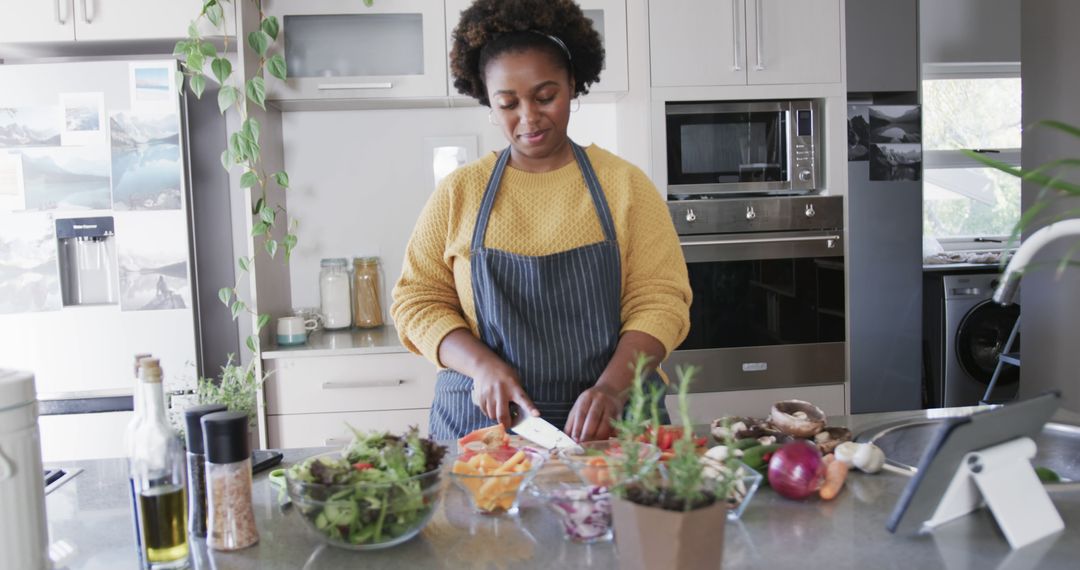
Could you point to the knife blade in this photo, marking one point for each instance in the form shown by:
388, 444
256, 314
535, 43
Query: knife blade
538, 430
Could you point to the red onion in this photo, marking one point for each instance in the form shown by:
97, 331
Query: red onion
796, 470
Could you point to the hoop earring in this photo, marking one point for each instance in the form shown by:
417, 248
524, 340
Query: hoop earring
575, 109
491, 119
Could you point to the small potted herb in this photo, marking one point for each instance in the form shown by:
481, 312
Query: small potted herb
670, 515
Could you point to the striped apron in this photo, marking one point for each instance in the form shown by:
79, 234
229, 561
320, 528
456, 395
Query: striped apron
554, 318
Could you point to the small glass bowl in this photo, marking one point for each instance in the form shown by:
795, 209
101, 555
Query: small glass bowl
593, 460
584, 510
743, 487
336, 514
492, 489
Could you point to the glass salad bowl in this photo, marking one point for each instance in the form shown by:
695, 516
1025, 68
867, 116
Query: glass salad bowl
366, 515
593, 460
743, 484
583, 509
493, 479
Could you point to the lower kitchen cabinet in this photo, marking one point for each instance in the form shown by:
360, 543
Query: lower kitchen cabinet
316, 430
707, 406
311, 400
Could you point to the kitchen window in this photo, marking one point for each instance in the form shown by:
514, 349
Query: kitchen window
967, 205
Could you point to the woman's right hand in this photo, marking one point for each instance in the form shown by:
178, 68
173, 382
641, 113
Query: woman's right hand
495, 385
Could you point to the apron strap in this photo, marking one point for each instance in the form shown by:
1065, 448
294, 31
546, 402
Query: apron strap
488, 201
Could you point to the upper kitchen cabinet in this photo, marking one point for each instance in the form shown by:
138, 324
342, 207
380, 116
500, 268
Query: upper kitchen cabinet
609, 20
882, 57
744, 42
341, 49
114, 20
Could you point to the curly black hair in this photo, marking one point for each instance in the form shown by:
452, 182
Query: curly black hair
490, 28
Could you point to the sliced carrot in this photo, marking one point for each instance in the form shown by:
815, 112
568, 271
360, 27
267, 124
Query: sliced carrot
835, 474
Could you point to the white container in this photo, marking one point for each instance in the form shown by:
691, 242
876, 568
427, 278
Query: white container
335, 294
23, 536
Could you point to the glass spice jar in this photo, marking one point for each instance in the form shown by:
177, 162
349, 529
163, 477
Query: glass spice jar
231, 525
335, 298
367, 309
196, 466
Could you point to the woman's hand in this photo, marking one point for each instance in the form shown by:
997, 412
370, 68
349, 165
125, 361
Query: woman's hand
495, 385
591, 416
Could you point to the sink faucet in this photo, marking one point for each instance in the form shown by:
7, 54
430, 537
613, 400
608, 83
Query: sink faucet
1011, 279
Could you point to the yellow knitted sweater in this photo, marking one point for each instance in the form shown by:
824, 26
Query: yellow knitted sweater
539, 214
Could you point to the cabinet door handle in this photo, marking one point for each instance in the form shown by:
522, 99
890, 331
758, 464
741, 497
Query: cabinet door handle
362, 384
760, 32
735, 35
339, 86
61, 12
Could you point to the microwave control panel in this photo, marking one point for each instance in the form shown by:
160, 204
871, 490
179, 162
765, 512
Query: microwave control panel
803, 173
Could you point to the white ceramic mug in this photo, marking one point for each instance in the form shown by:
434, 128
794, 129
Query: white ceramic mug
294, 330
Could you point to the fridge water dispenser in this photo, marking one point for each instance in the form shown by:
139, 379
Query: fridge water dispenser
88, 269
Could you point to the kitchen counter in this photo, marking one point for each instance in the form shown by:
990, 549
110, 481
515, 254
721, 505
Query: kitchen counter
91, 513
379, 340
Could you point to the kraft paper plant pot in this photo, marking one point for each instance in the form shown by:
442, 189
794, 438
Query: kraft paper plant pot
650, 538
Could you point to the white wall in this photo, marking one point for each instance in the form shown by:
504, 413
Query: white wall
360, 178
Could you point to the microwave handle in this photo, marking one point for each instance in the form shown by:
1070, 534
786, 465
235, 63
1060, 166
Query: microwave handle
830, 241
735, 35
760, 30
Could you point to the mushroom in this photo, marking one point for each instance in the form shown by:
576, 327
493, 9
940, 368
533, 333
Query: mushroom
830, 437
730, 426
797, 418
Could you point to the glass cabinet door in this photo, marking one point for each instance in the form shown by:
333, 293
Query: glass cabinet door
341, 49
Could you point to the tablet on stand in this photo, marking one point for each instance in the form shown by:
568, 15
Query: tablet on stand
983, 458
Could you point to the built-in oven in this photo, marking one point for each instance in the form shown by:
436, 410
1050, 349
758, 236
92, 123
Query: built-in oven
717, 148
768, 281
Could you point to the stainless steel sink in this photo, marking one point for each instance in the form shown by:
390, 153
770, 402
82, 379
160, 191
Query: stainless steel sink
904, 441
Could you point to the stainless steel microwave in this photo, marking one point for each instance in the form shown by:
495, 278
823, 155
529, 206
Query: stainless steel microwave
742, 147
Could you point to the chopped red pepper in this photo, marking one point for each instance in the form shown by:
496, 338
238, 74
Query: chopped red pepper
362, 466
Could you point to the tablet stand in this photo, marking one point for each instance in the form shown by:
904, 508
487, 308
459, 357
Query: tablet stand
1001, 475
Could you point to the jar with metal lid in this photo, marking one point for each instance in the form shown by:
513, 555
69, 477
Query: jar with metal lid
23, 535
196, 465
231, 524
335, 295
367, 308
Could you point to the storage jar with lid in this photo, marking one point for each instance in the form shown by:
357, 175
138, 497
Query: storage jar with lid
23, 534
231, 525
196, 465
367, 308
335, 295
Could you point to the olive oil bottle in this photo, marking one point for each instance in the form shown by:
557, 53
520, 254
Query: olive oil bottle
157, 477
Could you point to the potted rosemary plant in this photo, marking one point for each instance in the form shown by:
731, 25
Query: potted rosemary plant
667, 515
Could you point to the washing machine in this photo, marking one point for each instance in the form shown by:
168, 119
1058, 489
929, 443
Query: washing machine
964, 331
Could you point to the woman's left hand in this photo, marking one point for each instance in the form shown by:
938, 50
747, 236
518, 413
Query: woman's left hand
591, 416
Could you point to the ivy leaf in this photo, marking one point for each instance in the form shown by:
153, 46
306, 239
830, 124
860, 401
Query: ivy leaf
260, 229
208, 50
282, 178
237, 306
267, 215
259, 41
251, 128
271, 247
222, 68
235, 147
179, 78
256, 91
198, 83
243, 263
214, 13
193, 31
259, 205
227, 159
252, 344
264, 319
227, 97
248, 147
276, 66
225, 294
369, 3
249, 179
290, 243
270, 26
195, 62
182, 47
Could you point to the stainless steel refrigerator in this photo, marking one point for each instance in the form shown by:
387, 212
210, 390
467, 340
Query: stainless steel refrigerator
97, 248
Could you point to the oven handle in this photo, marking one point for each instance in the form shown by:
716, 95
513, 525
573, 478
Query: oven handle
830, 239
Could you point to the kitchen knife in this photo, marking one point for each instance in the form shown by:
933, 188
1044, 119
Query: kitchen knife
538, 430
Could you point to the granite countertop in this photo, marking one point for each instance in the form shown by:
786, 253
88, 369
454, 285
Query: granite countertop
92, 514
379, 340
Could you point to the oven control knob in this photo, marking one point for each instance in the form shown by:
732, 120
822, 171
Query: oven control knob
750, 213
805, 175
690, 215
810, 211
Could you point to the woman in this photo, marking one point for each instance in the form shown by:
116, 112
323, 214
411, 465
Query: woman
535, 275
